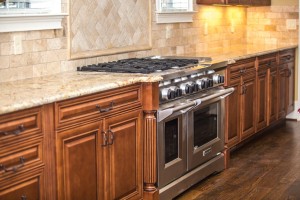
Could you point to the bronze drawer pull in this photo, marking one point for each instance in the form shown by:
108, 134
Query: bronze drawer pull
23, 197
102, 110
14, 168
19, 130
112, 137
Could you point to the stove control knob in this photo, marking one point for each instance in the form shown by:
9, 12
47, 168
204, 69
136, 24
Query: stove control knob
187, 88
217, 78
210, 83
177, 91
204, 83
167, 94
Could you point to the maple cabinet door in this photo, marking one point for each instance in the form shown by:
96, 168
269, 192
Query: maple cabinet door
79, 164
125, 156
261, 100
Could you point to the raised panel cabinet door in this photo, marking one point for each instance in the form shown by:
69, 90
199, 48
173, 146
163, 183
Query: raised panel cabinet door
125, 155
261, 100
248, 108
282, 87
272, 97
290, 87
232, 103
29, 188
80, 163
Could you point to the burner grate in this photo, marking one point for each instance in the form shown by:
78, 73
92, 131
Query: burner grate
139, 65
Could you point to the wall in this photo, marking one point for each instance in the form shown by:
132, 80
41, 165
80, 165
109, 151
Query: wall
45, 52
285, 2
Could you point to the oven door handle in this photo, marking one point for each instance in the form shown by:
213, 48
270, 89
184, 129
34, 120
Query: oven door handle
221, 94
163, 114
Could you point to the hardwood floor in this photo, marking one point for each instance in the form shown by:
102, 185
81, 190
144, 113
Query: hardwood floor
266, 168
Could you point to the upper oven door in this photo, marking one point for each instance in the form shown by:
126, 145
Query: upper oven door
172, 152
205, 131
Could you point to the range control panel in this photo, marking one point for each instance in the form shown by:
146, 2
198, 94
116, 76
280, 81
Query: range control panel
186, 85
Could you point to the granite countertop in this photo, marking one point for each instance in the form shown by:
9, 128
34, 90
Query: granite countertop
22, 94
239, 52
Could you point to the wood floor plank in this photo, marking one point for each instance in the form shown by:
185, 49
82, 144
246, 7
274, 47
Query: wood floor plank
267, 168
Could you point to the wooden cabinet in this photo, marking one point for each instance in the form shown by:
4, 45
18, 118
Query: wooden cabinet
102, 158
233, 114
266, 108
264, 94
248, 106
236, 2
22, 155
286, 82
272, 95
240, 106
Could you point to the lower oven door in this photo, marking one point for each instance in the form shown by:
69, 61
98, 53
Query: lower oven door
205, 131
172, 152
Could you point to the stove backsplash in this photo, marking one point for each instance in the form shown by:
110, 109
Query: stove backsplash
46, 53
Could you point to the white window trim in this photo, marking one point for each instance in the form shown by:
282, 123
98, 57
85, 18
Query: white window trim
163, 17
12, 23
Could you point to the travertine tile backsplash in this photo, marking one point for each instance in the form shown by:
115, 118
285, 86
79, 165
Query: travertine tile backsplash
45, 52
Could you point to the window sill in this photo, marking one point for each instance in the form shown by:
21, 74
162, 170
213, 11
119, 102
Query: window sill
30, 22
174, 17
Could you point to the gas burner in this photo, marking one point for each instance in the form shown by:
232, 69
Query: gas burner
140, 65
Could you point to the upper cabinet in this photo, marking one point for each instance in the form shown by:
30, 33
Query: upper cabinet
236, 2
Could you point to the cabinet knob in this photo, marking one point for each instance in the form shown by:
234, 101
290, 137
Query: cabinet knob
102, 110
19, 130
14, 168
23, 197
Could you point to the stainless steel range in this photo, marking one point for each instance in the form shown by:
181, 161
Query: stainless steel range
190, 119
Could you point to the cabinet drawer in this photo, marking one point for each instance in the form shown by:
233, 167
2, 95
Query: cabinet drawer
29, 186
286, 56
20, 126
241, 68
267, 61
15, 160
96, 106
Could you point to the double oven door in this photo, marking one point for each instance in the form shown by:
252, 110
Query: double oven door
189, 137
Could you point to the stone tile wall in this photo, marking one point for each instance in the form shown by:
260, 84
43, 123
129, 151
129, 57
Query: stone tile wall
268, 25
45, 52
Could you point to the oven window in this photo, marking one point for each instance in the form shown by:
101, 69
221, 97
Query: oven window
171, 140
205, 125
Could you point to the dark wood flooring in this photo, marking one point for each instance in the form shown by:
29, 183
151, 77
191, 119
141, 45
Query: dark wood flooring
266, 168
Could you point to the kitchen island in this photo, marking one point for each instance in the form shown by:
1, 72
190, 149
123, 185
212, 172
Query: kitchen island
97, 127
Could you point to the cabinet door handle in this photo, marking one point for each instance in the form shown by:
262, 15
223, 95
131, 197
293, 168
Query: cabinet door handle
14, 168
104, 137
102, 110
19, 130
242, 71
23, 197
111, 137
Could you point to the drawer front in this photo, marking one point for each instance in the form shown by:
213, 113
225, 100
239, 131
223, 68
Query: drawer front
20, 126
18, 159
28, 187
286, 56
267, 61
241, 68
96, 106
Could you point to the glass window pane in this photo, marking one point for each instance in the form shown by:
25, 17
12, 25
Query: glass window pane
24, 6
177, 5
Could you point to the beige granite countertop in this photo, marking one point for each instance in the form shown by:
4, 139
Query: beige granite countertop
22, 94
239, 52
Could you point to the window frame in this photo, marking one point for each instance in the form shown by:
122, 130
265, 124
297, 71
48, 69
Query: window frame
30, 21
174, 16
